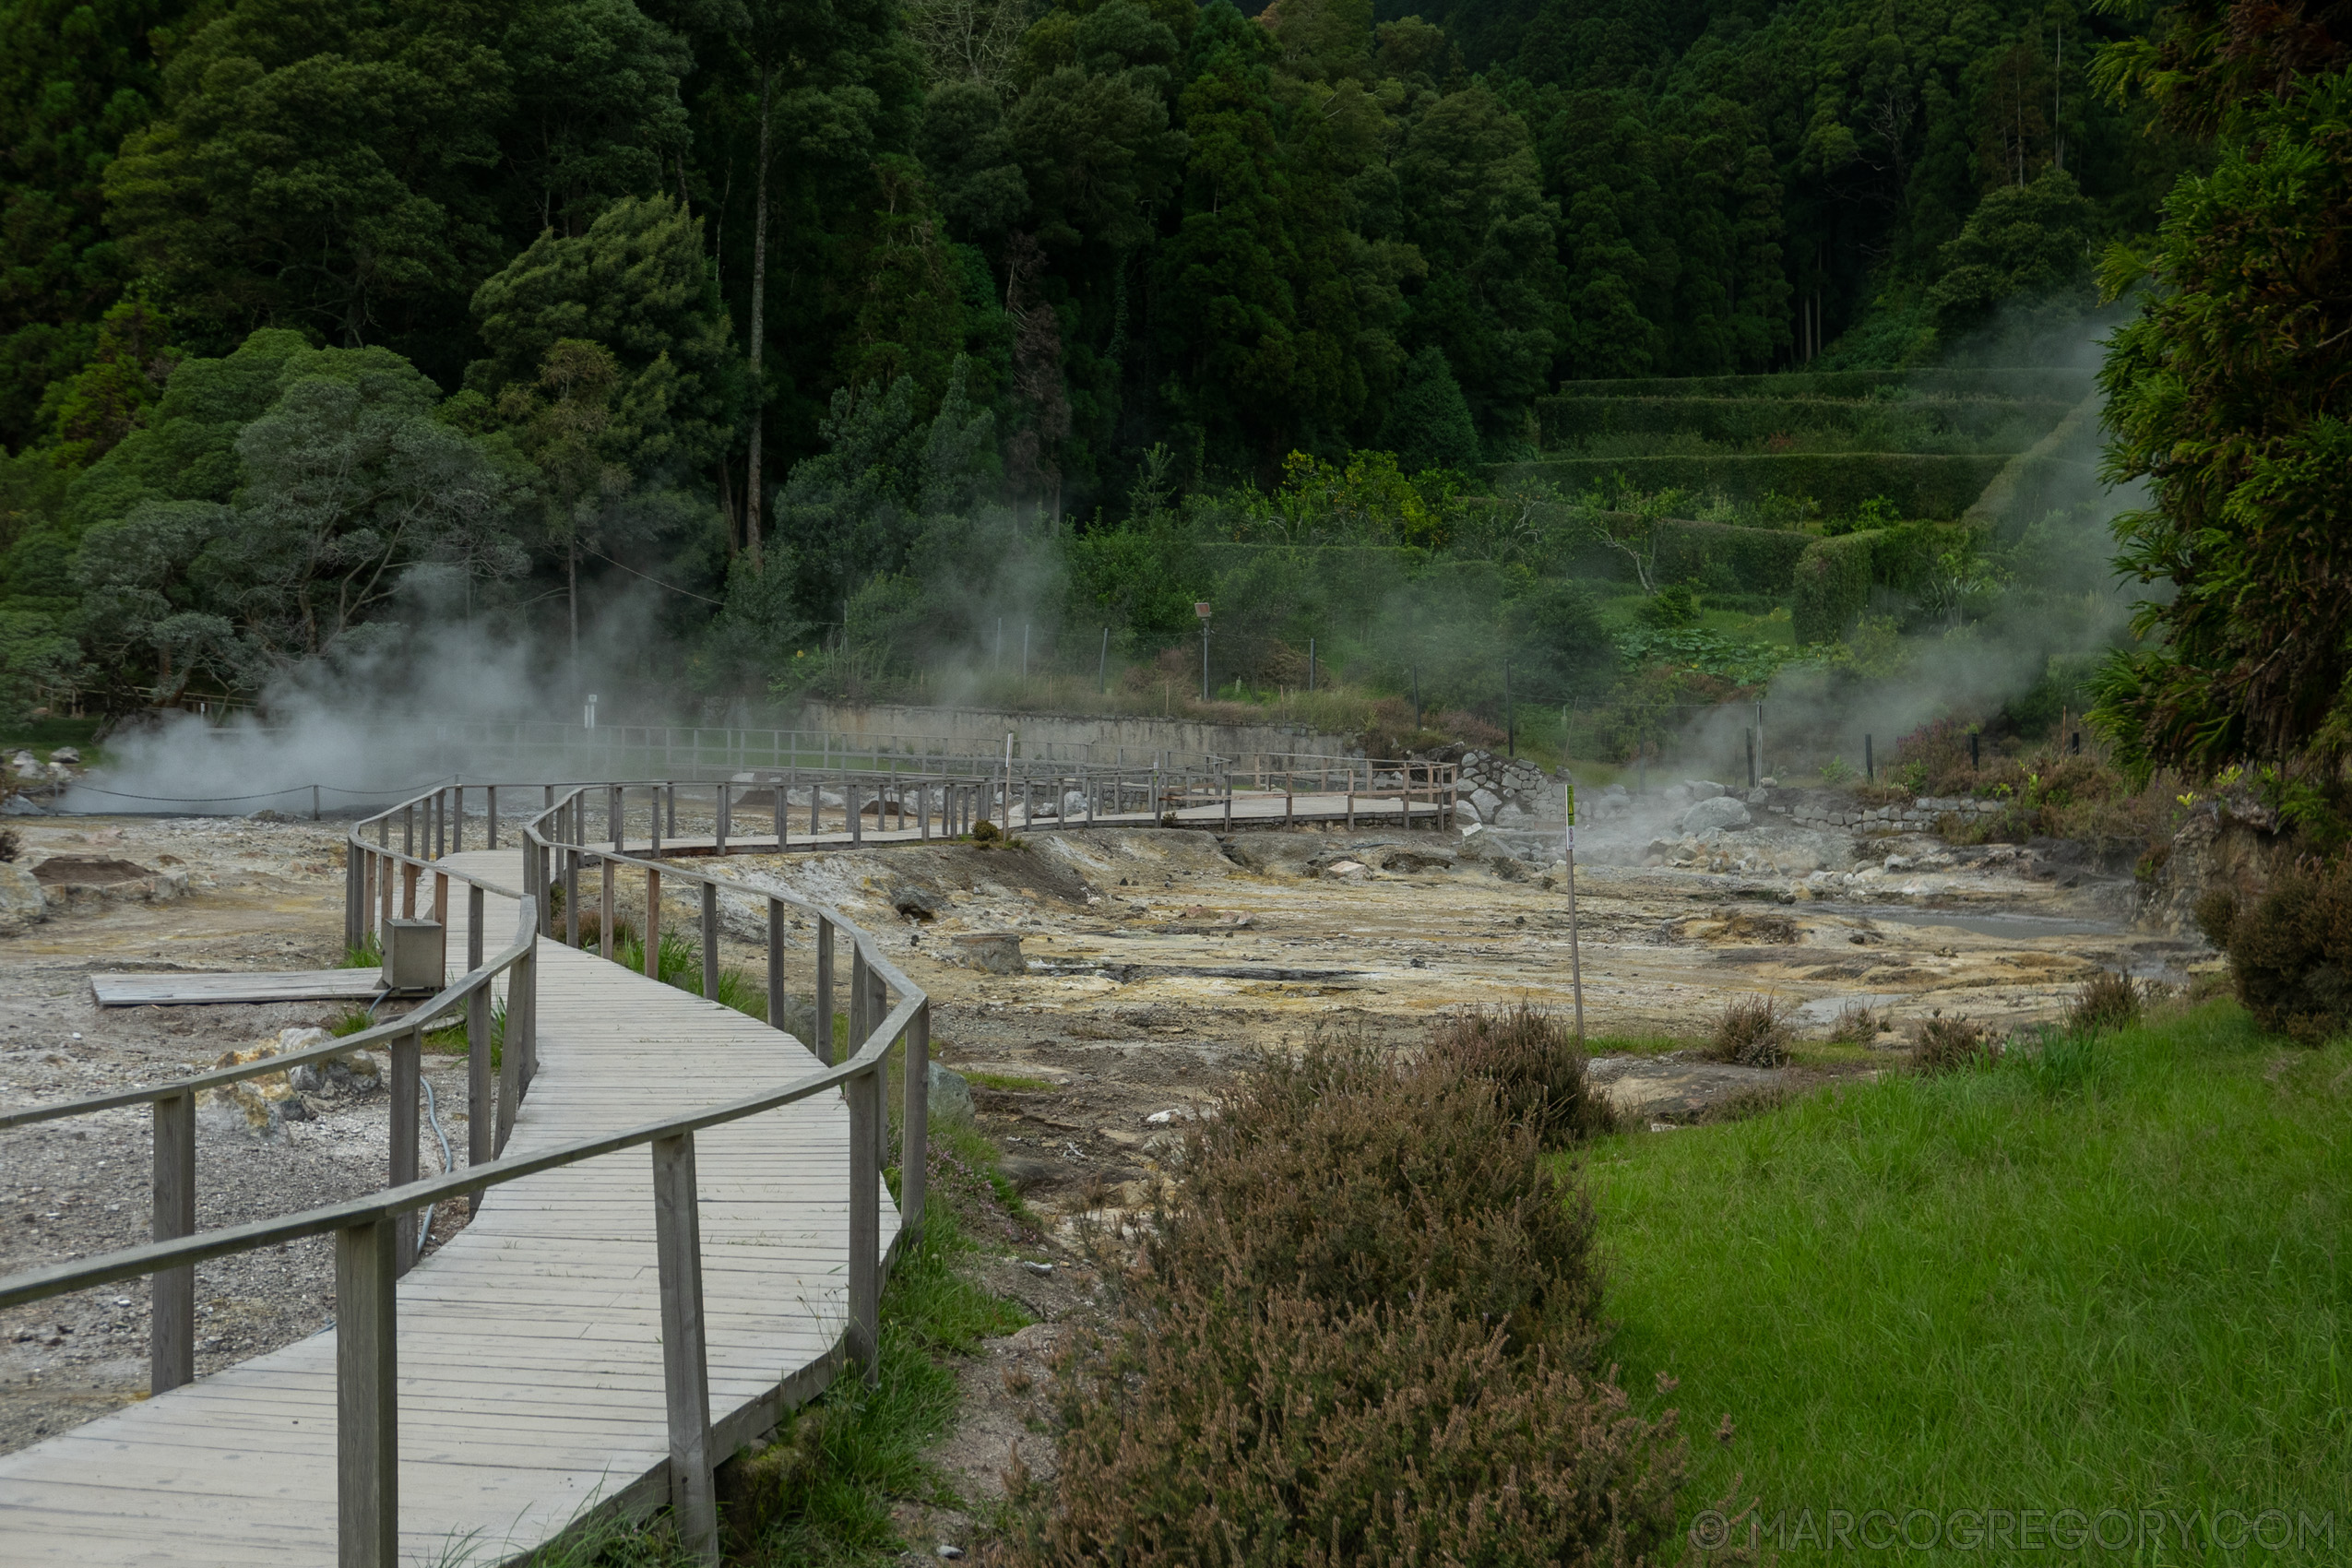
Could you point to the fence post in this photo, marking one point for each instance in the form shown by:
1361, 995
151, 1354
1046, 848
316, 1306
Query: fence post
861, 999
685, 1368
171, 1340
406, 1051
652, 923
527, 973
718, 834
480, 1108
914, 1120
710, 940
878, 1010
605, 914
856, 817
864, 1336
776, 963
825, 991
367, 1426
490, 816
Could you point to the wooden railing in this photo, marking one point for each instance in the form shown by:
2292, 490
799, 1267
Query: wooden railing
375, 1236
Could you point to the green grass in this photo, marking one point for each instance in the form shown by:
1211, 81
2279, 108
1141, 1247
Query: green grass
2113, 1276
1010, 1082
822, 1493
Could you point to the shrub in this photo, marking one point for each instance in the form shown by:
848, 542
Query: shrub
1281, 1430
2290, 949
1364, 1180
1952, 1045
1856, 1025
1832, 588
1534, 1065
2108, 1000
1754, 1032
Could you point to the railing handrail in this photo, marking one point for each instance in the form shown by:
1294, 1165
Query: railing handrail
439, 1003
34, 1285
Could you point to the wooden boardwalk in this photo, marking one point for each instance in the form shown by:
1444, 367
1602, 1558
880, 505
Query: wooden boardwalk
530, 1374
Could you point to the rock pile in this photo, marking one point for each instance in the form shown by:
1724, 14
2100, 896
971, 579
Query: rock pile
263, 1106
1497, 788
1820, 809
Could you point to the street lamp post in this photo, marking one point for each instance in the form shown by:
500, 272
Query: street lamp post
1200, 608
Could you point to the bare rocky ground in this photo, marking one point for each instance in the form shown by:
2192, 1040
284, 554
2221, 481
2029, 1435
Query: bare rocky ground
257, 895
1158, 962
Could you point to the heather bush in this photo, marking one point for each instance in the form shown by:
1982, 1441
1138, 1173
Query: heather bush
1230, 1424
1754, 1032
2106, 1001
1952, 1045
2290, 949
1361, 1178
1536, 1068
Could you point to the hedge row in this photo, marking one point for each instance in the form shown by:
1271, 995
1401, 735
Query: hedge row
1990, 424
1919, 484
1833, 578
1761, 559
2068, 385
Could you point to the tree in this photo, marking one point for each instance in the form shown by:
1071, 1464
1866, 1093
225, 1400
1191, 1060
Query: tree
597, 114
1429, 423
322, 166
637, 283
2225, 396
2026, 243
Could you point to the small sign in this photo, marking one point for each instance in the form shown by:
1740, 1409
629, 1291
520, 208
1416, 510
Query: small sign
1200, 608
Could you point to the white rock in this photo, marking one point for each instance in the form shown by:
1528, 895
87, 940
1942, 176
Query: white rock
1715, 813
22, 903
1703, 789
950, 1096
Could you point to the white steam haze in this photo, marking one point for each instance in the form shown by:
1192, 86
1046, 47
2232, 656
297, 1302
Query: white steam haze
432, 703
2064, 602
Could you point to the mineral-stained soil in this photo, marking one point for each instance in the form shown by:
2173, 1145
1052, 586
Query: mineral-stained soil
1158, 962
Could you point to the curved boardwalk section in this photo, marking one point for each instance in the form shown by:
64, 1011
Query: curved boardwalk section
531, 1383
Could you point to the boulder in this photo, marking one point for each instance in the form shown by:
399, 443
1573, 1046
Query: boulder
68, 756
991, 952
1703, 789
915, 903
1677, 796
1277, 852
1488, 803
1719, 811
22, 902
950, 1097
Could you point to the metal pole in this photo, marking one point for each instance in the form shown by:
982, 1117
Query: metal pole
1575, 960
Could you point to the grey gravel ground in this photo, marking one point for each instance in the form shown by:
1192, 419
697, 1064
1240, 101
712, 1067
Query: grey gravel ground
74, 1188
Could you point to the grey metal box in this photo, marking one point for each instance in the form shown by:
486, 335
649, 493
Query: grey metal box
415, 957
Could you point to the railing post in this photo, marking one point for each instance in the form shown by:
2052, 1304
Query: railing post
864, 1336
686, 1374
825, 991
481, 1110
718, 820
914, 1121
613, 814
528, 966
408, 870
605, 914
367, 1426
877, 1010
171, 1341
406, 1051
572, 895
652, 923
458, 819
856, 817
490, 816
776, 963
710, 940
354, 893
384, 879
653, 820
860, 998
670, 790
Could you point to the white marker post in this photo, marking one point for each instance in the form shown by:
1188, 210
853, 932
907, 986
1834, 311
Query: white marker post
1575, 961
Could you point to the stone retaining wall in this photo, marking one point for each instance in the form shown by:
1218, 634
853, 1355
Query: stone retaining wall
1920, 815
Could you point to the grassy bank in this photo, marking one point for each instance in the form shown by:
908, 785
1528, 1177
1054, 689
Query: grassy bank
822, 1493
2117, 1278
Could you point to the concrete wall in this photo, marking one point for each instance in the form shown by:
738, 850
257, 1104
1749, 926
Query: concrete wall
1107, 740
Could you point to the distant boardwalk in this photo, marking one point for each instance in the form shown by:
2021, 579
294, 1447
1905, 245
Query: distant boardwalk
531, 1372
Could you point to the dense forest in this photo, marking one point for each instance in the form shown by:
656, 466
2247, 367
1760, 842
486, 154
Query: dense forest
830, 334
